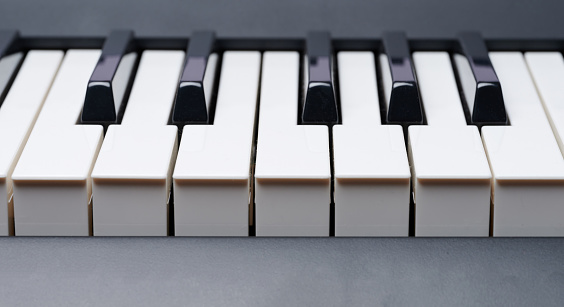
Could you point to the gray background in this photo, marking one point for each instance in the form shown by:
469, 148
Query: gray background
288, 18
286, 272
291, 272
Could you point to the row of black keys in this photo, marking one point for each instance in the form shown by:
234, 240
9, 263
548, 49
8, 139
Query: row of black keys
319, 106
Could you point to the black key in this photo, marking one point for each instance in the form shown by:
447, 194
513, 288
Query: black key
10, 67
488, 99
7, 41
320, 106
191, 105
110, 80
404, 104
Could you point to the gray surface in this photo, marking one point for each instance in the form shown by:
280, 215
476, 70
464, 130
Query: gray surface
290, 272
288, 18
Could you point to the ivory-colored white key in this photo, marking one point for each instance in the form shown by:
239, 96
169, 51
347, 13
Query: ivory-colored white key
212, 173
526, 162
292, 174
17, 115
52, 185
132, 175
547, 70
370, 160
451, 175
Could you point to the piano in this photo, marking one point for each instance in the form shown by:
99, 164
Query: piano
281, 153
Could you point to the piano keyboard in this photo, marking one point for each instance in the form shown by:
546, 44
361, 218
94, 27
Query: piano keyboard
312, 137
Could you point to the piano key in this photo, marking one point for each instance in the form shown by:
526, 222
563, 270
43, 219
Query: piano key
193, 97
293, 172
526, 162
7, 40
547, 70
110, 79
9, 61
479, 81
372, 177
52, 185
451, 175
212, 174
17, 115
132, 176
403, 105
320, 106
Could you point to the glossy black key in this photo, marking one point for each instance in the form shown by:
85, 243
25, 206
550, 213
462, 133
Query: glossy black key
191, 105
7, 41
320, 106
9, 62
404, 103
489, 107
110, 80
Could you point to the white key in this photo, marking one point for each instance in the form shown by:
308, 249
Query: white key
547, 70
132, 175
8, 66
451, 175
52, 185
525, 159
292, 174
370, 160
17, 115
212, 174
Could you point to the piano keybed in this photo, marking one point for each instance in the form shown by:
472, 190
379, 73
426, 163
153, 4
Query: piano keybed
129, 136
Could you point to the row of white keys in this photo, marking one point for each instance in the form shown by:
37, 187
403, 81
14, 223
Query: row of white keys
372, 177
293, 171
212, 176
451, 175
132, 175
17, 116
525, 160
52, 187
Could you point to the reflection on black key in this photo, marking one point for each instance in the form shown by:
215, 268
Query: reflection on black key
7, 40
404, 104
192, 105
110, 80
320, 106
488, 106
9, 61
